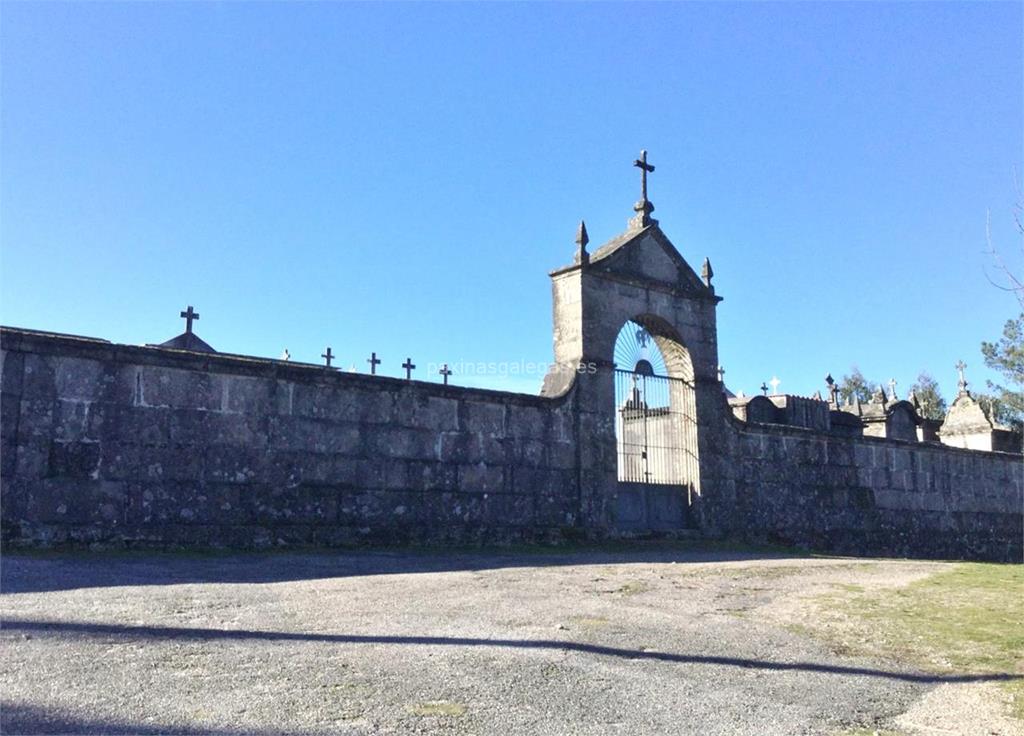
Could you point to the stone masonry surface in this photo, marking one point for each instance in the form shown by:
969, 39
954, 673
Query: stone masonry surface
118, 445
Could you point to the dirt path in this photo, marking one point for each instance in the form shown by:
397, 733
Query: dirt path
588, 643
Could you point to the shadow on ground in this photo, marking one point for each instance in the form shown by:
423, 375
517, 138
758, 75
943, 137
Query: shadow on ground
27, 720
44, 572
68, 629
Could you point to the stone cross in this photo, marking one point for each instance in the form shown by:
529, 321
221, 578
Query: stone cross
892, 389
445, 372
408, 365
189, 315
645, 168
374, 361
328, 356
764, 388
775, 385
721, 374
962, 383
833, 389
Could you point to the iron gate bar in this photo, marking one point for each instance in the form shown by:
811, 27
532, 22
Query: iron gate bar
655, 429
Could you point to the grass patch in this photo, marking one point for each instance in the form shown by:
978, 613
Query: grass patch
438, 708
967, 620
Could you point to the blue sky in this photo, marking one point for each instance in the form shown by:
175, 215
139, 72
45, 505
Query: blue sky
400, 178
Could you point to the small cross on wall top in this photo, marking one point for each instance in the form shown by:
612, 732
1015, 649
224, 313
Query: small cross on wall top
409, 366
445, 372
328, 356
374, 361
962, 383
189, 315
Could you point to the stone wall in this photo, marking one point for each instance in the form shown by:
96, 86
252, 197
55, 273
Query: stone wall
115, 444
868, 495
136, 445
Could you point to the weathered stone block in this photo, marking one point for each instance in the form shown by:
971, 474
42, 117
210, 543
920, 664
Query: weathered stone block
10, 409
245, 395
33, 459
558, 509
72, 420
79, 379
8, 457
304, 504
182, 389
540, 481
436, 413
486, 419
35, 420
403, 443
433, 476
508, 509
39, 378
481, 478
74, 459
76, 501
138, 425
11, 370
312, 435
227, 464
526, 421
525, 452
380, 508
240, 430
561, 455
185, 503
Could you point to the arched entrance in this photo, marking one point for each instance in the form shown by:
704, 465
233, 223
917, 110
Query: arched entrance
655, 427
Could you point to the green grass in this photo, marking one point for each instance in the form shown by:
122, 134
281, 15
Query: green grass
968, 620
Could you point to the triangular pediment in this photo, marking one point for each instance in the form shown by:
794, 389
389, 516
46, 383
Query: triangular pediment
648, 255
187, 341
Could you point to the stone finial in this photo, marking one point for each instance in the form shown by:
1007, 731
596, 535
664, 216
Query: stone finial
285, 355
707, 273
817, 396
892, 390
961, 385
879, 396
582, 257
914, 401
644, 207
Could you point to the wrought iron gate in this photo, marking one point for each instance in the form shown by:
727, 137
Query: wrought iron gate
655, 429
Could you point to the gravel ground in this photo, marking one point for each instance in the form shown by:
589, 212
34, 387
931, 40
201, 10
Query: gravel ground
651, 641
